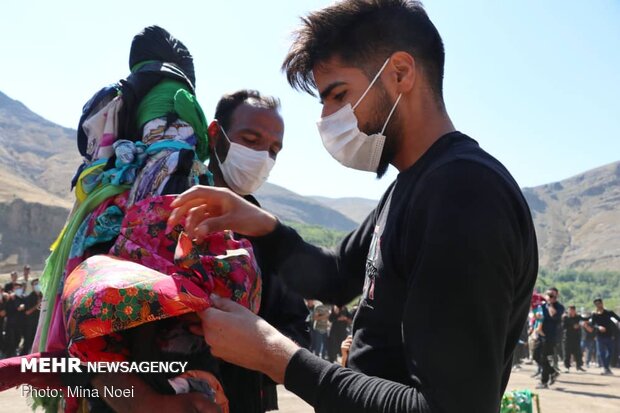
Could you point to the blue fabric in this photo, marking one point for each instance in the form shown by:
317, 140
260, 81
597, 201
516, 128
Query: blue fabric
130, 156
107, 227
77, 246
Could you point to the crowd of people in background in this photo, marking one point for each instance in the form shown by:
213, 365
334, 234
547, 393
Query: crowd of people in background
329, 325
20, 303
554, 335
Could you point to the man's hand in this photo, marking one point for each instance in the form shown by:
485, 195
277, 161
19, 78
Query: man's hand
240, 337
602, 329
208, 209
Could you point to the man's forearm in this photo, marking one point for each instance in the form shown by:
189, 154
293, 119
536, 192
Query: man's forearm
345, 391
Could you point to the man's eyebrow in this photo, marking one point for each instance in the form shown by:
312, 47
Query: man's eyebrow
250, 131
329, 88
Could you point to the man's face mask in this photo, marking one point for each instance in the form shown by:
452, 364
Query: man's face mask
19, 292
244, 169
346, 143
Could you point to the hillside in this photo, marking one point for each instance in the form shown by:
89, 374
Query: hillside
290, 206
578, 220
356, 209
36, 149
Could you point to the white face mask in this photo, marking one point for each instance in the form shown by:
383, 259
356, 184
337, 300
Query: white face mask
19, 292
244, 169
37, 288
346, 143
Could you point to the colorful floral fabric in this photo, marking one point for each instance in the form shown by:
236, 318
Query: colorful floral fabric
151, 275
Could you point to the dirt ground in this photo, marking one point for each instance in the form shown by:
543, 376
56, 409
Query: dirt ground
572, 393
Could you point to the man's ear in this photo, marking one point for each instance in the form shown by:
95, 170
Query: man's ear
405, 71
214, 133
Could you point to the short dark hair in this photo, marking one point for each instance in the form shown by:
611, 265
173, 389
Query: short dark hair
365, 33
229, 102
572, 306
597, 299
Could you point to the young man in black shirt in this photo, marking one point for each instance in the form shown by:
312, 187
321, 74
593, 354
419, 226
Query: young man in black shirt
15, 318
550, 328
571, 324
604, 323
31, 312
8, 287
452, 232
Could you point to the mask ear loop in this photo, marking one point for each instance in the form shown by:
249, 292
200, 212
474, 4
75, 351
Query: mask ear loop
391, 113
227, 138
372, 83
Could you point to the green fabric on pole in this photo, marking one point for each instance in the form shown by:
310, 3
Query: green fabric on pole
188, 108
173, 96
158, 102
55, 263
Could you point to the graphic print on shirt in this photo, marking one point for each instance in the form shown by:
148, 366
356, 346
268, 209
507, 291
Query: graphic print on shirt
374, 260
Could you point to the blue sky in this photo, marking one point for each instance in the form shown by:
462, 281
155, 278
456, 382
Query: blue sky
537, 83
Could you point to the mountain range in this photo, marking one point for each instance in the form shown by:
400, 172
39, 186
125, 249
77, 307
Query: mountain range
576, 219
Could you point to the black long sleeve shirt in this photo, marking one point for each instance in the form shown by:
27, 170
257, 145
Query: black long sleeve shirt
447, 260
572, 327
604, 319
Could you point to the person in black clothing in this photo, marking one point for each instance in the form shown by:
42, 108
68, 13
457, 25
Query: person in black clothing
602, 321
33, 306
340, 321
558, 349
452, 232
588, 343
15, 318
571, 324
246, 122
8, 287
548, 336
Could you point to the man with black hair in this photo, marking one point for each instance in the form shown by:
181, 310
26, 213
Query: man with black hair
454, 231
549, 329
15, 318
8, 287
571, 324
604, 323
33, 307
246, 137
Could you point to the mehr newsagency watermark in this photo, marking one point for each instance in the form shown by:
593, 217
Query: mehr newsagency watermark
74, 365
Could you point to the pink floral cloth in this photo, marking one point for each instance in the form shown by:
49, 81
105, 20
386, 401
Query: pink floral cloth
152, 275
